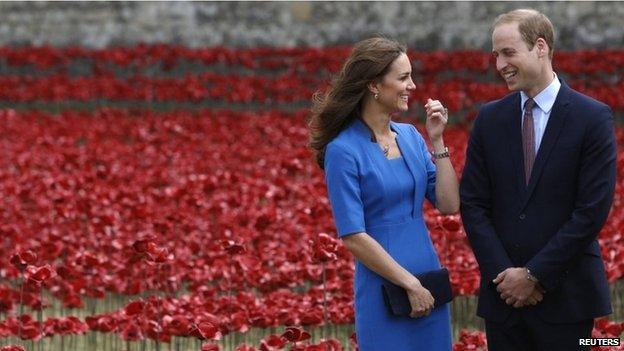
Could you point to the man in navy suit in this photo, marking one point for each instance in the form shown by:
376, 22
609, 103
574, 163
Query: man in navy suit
536, 189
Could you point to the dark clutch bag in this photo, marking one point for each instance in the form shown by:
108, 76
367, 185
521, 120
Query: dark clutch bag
437, 282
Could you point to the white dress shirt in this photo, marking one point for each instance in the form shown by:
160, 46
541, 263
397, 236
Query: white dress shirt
544, 102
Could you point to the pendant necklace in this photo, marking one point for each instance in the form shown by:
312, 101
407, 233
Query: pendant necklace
386, 149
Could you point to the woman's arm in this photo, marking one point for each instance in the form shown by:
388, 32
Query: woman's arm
446, 187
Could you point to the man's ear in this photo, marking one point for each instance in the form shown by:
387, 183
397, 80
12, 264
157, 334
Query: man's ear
542, 47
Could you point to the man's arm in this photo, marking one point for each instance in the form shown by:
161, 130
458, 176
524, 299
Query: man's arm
476, 203
595, 189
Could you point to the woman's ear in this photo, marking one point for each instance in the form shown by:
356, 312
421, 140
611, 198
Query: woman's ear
373, 87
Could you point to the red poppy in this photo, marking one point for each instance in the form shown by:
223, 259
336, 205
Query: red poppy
12, 348
22, 259
204, 330
178, 325
157, 254
295, 334
272, 342
325, 248
39, 275
232, 247
134, 308
131, 332
245, 347
141, 246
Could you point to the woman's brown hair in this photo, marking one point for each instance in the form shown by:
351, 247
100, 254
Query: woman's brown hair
332, 111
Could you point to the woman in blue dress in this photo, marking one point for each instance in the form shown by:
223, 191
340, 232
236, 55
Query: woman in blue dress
378, 173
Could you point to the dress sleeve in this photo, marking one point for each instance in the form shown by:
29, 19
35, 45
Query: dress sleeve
429, 166
343, 188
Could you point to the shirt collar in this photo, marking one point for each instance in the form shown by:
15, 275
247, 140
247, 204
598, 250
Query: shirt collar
546, 98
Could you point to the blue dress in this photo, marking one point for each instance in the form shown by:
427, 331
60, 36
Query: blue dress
384, 198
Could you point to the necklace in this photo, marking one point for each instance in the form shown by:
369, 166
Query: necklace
386, 149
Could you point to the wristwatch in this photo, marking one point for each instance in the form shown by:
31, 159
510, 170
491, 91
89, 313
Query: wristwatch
443, 154
530, 276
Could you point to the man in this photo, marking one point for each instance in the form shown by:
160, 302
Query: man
536, 189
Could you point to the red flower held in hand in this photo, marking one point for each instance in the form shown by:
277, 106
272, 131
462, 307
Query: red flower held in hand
22, 259
295, 334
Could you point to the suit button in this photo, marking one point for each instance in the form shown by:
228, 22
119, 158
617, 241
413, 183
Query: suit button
522, 216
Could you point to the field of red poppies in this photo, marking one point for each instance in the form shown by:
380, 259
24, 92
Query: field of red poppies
163, 198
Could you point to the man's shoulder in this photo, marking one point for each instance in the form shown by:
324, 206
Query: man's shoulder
493, 110
583, 102
585, 109
505, 101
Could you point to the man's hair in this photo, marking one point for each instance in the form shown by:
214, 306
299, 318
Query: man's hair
532, 25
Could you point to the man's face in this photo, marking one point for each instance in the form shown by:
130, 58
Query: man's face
521, 68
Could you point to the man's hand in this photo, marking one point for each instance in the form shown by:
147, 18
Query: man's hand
516, 289
533, 299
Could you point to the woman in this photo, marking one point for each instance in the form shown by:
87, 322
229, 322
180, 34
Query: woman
378, 173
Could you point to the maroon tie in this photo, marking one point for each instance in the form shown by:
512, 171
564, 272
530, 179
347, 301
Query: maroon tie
528, 139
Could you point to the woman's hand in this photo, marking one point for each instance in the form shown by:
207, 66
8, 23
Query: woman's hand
374, 256
437, 117
420, 300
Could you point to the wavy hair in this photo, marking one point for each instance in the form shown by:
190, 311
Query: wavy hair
335, 109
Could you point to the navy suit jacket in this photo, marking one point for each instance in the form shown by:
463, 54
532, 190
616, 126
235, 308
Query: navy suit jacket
551, 225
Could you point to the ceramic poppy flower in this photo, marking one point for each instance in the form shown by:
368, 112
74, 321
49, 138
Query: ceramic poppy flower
295, 334
22, 259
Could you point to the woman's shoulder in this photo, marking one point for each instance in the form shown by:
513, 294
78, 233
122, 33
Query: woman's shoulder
346, 138
403, 126
339, 143
407, 129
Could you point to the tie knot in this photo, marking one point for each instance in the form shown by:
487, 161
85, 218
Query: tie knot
528, 105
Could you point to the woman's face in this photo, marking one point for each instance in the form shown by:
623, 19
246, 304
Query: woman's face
395, 87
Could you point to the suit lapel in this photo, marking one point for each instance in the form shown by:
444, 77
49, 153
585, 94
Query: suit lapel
514, 130
551, 134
